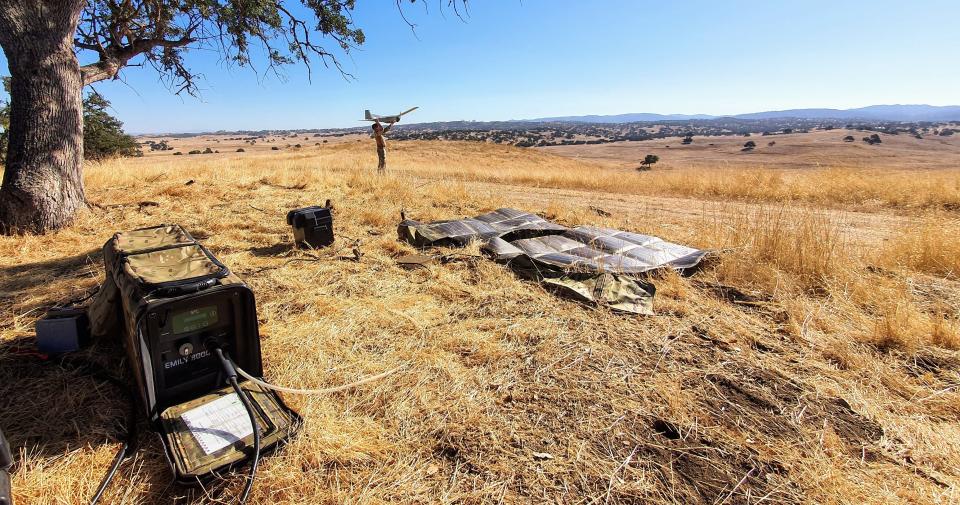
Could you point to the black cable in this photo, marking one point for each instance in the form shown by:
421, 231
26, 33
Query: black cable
129, 444
256, 438
231, 373
111, 473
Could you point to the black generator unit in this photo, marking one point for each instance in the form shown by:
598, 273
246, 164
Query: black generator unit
312, 226
174, 305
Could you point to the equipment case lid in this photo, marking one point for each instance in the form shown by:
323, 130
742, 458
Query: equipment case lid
192, 460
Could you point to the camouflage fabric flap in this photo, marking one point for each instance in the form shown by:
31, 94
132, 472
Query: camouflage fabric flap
189, 458
619, 292
170, 265
104, 311
131, 242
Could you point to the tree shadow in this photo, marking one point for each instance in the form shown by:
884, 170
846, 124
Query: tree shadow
32, 286
49, 405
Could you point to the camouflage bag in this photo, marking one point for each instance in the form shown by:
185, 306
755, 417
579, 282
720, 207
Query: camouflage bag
168, 299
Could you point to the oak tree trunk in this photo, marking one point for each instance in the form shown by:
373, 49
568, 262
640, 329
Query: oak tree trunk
42, 181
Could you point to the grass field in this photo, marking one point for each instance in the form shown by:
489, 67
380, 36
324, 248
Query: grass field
816, 359
816, 149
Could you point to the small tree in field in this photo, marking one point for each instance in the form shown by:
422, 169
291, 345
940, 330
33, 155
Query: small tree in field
648, 161
103, 135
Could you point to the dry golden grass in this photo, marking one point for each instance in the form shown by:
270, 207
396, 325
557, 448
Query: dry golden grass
798, 366
932, 247
835, 184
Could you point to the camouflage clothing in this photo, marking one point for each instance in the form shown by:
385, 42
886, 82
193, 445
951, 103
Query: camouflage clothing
378, 131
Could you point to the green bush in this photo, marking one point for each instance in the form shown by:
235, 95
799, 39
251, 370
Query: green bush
103, 135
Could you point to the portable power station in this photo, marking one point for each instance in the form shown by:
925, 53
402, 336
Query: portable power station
185, 321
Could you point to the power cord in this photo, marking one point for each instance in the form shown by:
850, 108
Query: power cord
333, 389
231, 371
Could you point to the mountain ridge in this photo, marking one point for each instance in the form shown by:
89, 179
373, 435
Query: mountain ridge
891, 112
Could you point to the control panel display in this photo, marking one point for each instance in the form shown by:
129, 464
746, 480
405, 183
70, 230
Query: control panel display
194, 319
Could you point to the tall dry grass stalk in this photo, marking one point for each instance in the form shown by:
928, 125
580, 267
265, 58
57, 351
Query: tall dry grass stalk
933, 248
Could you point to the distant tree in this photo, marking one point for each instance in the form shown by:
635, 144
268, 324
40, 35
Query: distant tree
872, 139
103, 135
648, 161
946, 132
275, 148
208, 151
5, 119
687, 140
750, 144
849, 138
241, 150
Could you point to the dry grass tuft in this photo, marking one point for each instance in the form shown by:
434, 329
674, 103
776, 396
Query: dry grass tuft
932, 248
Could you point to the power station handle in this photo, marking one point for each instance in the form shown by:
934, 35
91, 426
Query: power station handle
6, 461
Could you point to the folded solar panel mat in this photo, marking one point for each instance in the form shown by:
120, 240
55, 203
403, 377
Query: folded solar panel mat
507, 224
597, 265
590, 249
590, 264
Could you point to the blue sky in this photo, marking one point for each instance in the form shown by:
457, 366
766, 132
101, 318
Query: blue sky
517, 59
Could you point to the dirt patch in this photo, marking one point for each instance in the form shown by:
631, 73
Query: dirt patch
765, 402
709, 471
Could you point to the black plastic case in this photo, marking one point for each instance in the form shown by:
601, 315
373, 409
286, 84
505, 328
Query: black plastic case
312, 226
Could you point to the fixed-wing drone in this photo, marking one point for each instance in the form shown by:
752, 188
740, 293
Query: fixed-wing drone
385, 119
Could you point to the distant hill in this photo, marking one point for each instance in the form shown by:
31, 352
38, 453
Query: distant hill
872, 112
624, 118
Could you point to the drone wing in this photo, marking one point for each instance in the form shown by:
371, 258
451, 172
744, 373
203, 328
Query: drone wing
408, 111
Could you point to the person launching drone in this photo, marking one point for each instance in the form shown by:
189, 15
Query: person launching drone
378, 132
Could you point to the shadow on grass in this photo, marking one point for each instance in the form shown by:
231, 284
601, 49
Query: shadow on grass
32, 286
273, 250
